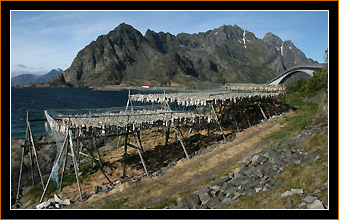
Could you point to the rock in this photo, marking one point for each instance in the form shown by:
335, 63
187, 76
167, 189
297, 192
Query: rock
287, 193
212, 203
236, 195
66, 202
257, 189
182, 204
226, 201
289, 202
297, 191
98, 189
310, 199
316, 191
302, 204
43, 205
316, 205
57, 199
254, 159
193, 200
204, 194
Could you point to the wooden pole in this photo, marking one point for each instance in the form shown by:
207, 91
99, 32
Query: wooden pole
181, 141
31, 163
125, 155
262, 112
20, 172
35, 154
98, 162
138, 134
63, 167
58, 159
155, 137
75, 163
216, 118
140, 155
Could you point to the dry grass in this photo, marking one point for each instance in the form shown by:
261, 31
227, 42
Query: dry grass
187, 175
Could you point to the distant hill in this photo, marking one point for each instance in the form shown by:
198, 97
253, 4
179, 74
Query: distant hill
228, 54
31, 78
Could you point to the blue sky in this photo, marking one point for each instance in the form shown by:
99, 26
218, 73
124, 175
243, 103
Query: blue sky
43, 40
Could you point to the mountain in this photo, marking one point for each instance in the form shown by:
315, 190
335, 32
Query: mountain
225, 54
31, 78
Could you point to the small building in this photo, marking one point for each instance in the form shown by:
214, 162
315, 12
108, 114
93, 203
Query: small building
146, 86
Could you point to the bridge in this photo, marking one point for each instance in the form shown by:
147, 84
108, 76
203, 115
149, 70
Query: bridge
287, 74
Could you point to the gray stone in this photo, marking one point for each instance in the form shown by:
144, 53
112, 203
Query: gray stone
255, 159
226, 201
289, 202
66, 202
316, 205
182, 204
212, 203
302, 204
43, 205
236, 195
57, 199
204, 194
193, 200
310, 199
287, 193
317, 191
297, 191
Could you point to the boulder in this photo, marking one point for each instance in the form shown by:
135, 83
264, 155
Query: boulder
287, 193
297, 191
226, 201
316, 205
212, 203
193, 201
310, 199
57, 199
66, 202
204, 194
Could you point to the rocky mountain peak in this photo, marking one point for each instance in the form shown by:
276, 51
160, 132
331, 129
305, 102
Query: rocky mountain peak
224, 54
272, 40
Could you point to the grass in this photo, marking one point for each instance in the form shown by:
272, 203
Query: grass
309, 178
303, 117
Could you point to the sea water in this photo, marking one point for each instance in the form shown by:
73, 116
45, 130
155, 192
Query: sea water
23, 99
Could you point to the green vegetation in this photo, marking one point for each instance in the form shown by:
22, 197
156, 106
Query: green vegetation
317, 83
309, 178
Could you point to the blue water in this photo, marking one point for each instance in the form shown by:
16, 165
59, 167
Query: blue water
23, 99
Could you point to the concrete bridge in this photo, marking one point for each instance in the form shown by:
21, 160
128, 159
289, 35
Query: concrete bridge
287, 74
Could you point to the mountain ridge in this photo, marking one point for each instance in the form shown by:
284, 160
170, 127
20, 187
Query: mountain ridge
227, 54
23, 79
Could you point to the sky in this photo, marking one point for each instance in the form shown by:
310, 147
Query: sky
46, 40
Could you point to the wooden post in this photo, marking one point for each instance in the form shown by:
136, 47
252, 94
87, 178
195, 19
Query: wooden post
35, 154
63, 167
140, 155
155, 137
58, 159
181, 141
216, 118
125, 155
138, 134
98, 162
75, 163
31, 163
167, 131
262, 112
20, 172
